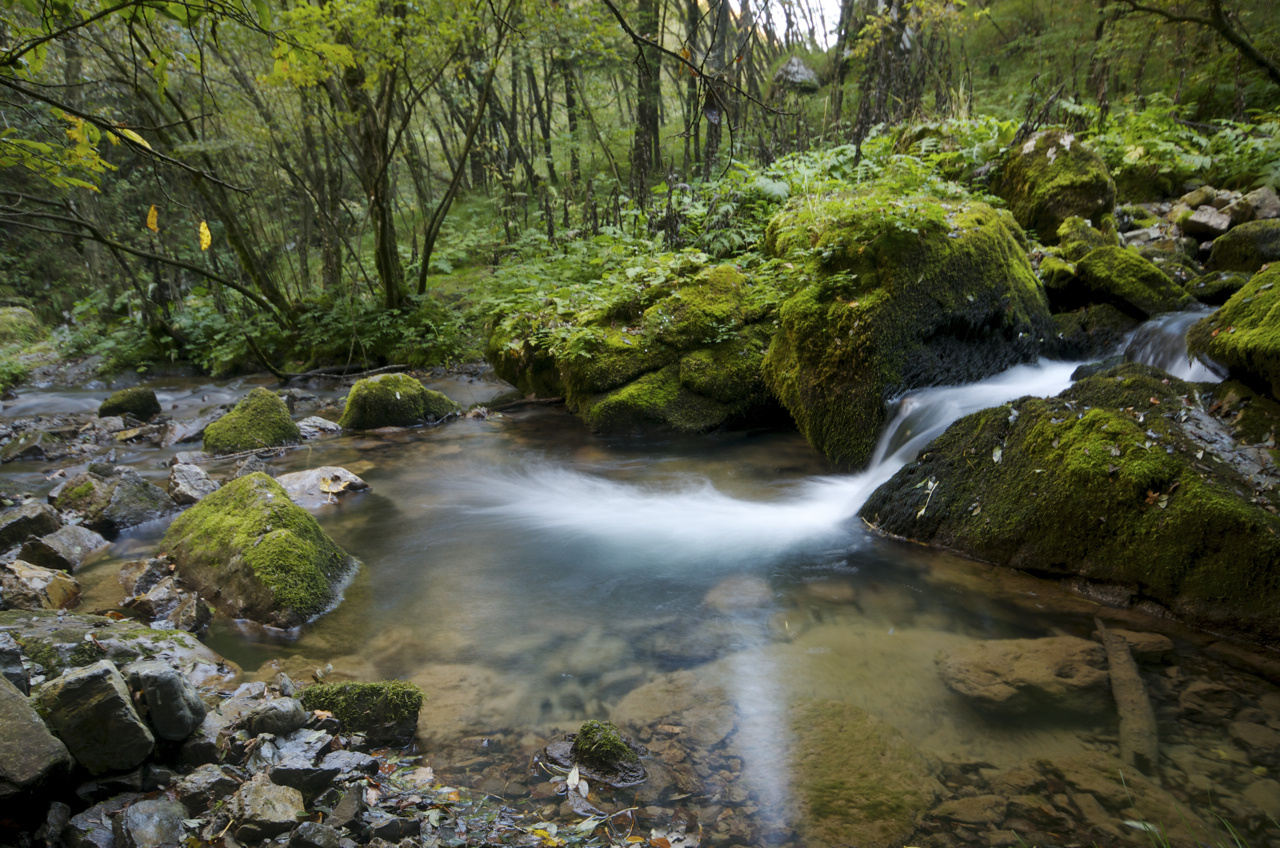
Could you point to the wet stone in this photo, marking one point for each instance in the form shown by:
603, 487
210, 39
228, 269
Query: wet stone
314, 835
29, 755
174, 708
149, 824
11, 667
350, 763
92, 712
31, 519
92, 828
303, 775
189, 483
30, 587
280, 717
262, 809
200, 789
65, 549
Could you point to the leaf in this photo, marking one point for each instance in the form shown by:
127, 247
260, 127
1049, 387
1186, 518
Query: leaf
152, 216
135, 138
996, 454
572, 779
206, 238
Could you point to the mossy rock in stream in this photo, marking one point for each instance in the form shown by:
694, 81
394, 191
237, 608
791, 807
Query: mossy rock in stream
1123, 479
600, 753
386, 713
1216, 287
260, 420
138, 401
1247, 247
1051, 178
1244, 334
1123, 279
393, 400
1077, 238
946, 297
114, 499
255, 554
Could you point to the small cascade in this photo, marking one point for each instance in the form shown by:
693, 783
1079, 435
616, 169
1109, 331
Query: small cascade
1162, 342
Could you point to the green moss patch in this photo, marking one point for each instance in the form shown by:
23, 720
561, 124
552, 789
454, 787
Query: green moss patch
139, 401
1077, 238
19, 325
1247, 247
393, 400
1051, 178
386, 712
1244, 334
260, 420
599, 745
1124, 280
1217, 287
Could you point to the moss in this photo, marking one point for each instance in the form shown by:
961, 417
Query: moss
1128, 282
139, 401
1139, 217
260, 420
1217, 287
1247, 247
728, 372
1077, 238
704, 311
598, 744
20, 326
44, 653
1091, 331
1175, 264
1244, 335
258, 555
1052, 178
1056, 274
889, 310
385, 712
654, 399
393, 400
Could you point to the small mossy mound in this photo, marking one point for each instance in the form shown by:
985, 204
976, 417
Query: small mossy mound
386, 713
1077, 238
1110, 481
1091, 331
1247, 247
139, 401
600, 745
1216, 287
19, 325
1051, 178
1123, 279
1244, 334
393, 400
885, 309
260, 420
256, 555
1176, 265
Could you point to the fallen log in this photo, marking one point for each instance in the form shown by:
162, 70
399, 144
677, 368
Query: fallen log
1139, 740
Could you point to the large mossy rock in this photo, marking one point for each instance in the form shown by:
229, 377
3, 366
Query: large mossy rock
19, 325
260, 420
1120, 278
255, 554
386, 713
139, 401
949, 300
1051, 178
393, 400
116, 499
1247, 247
676, 345
1115, 480
1244, 334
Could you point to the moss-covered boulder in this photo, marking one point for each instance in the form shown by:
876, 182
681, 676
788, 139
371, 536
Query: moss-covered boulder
1123, 279
386, 713
1247, 247
1077, 238
114, 499
1244, 334
1091, 331
255, 554
19, 325
1053, 177
260, 420
1124, 478
1216, 287
393, 400
139, 401
945, 297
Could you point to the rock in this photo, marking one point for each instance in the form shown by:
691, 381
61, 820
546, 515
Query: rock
190, 430
1265, 203
1206, 223
202, 788
66, 548
319, 486
1092, 331
1077, 238
190, 458
1202, 196
255, 554
174, 708
11, 667
139, 576
139, 401
601, 754
349, 763
1259, 741
1123, 279
795, 74
91, 711
303, 775
890, 311
1247, 247
166, 603
250, 465
386, 713
33, 444
1128, 501
737, 594
261, 809
30, 757
260, 420
279, 716
1020, 676
29, 587
314, 835
93, 827
977, 810
1217, 287
315, 427
1242, 335
148, 824
1051, 178
189, 483
20, 325
1151, 648
393, 400
29, 519
110, 504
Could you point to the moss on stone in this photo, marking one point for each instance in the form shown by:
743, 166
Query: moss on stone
1125, 280
599, 745
1091, 331
1051, 178
1254, 418
1056, 274
393, 400
19, 325
138, 401
255, 554
1217, 287
656, 398
1244, 334
260, 420
385, 712
1247, 247
1077, 238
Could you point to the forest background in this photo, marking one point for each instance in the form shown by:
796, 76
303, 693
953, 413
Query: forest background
292, 184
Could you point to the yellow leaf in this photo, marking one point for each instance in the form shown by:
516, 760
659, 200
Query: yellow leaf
135, 138
152, 215
206, 238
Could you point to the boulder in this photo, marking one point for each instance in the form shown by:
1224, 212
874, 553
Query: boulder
947, 298
93, 827
259, 420
1053, 177
91, 711
795, 74
149, 824
1124, 478
66, 548
31, 756
1020, 676
393, 400
29, 519
189, 483
261, 809
174, 708
315, 427
1216, 287
1077, 238
1265, 203
111, 503
1206, 223
304, 775
139, 402
19, 325
319, 486
1244, 334
1123, 279
204, 787
279, 717
386, 713
1092, 331
1247, 247
29, 587
255, 554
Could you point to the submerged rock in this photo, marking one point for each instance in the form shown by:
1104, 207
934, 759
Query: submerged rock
255, 554
601, 754
1020, 676
386, 713
1244, 335
112, 503
319, 486
1051, 178
139, 401
92, 712
260, 420
393, 400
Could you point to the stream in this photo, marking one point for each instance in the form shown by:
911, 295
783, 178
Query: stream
530, 575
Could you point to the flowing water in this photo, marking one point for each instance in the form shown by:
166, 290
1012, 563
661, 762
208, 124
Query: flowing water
530, 575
